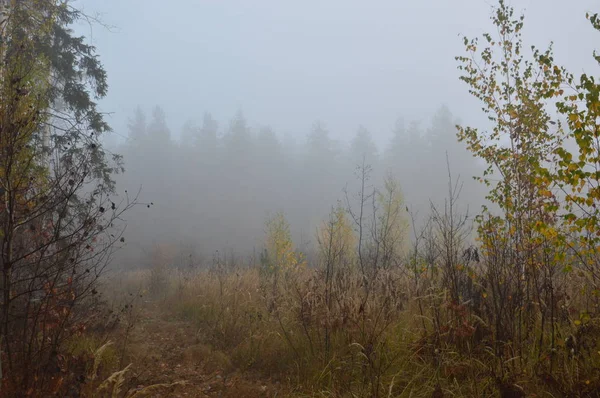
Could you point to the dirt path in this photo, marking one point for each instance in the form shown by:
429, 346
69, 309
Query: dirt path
164, 349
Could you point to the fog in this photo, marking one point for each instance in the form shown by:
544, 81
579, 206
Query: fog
228, 111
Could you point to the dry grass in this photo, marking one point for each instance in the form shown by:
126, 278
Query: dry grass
377, 345
336, 331
373, 346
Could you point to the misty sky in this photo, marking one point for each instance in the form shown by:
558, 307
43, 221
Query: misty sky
288, 63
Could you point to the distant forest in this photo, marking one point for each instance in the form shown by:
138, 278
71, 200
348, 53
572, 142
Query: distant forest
213, 188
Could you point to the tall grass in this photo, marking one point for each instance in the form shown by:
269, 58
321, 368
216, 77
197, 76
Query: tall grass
401, 339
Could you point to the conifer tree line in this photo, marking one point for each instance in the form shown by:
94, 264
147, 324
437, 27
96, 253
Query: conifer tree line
215, 183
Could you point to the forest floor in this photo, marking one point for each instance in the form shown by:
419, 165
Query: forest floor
165, 350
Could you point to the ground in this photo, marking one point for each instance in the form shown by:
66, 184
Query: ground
164, 349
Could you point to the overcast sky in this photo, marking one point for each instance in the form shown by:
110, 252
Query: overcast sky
287, 63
